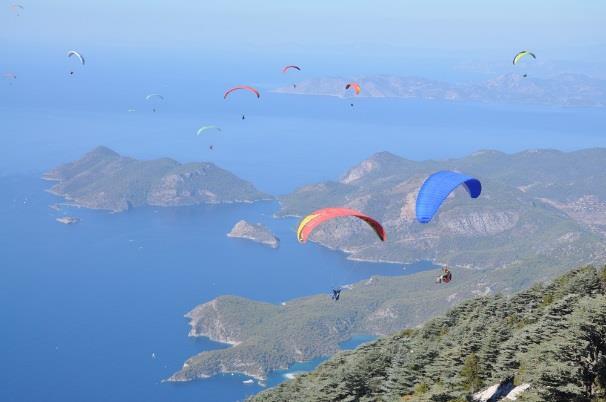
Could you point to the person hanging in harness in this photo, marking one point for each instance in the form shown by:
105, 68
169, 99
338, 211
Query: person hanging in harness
336, 293
445, 277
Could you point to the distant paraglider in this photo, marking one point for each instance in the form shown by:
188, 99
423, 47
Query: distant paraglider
355, 86
286, 68
17, 8
241, 87
445, 276
10, 77
437, 187
154, 98
521, 54
336, 294
311, 221
77, 55
206, 128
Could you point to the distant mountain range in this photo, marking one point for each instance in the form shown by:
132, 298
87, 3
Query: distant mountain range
103, 179
538, 208
562, 90
544, 344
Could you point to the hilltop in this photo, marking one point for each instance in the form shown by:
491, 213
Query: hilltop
103, 179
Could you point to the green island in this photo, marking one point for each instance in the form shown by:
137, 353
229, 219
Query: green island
103, 179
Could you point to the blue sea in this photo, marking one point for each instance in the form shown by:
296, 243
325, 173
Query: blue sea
84, 307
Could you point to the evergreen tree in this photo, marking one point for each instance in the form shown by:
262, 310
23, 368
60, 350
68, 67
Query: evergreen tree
471, 373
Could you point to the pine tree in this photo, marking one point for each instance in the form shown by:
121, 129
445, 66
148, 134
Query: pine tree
471, 373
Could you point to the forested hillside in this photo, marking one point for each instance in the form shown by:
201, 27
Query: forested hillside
551, 337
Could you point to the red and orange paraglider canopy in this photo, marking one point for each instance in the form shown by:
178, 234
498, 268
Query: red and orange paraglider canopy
311, 221
355, 86
241, 87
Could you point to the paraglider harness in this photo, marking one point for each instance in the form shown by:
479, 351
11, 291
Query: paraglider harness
336, 293
445, 277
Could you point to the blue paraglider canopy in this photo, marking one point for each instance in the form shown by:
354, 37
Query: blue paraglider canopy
436, 188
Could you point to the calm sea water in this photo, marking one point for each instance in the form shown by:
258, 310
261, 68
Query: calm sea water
83, 307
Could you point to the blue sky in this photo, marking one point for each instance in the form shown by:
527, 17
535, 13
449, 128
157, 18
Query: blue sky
270, 25
150, 43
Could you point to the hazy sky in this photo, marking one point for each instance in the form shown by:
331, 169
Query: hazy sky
322, 24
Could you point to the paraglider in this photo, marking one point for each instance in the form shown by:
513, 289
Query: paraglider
521, 54
437, 187
77, 55
336, 294
206, 128
286, 68
311, 221
211, 147
16, 8
241, 87
9, 76
356, 87
154, 97
445, 276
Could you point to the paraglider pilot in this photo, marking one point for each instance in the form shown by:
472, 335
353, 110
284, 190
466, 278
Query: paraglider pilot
336, 293
445, 277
